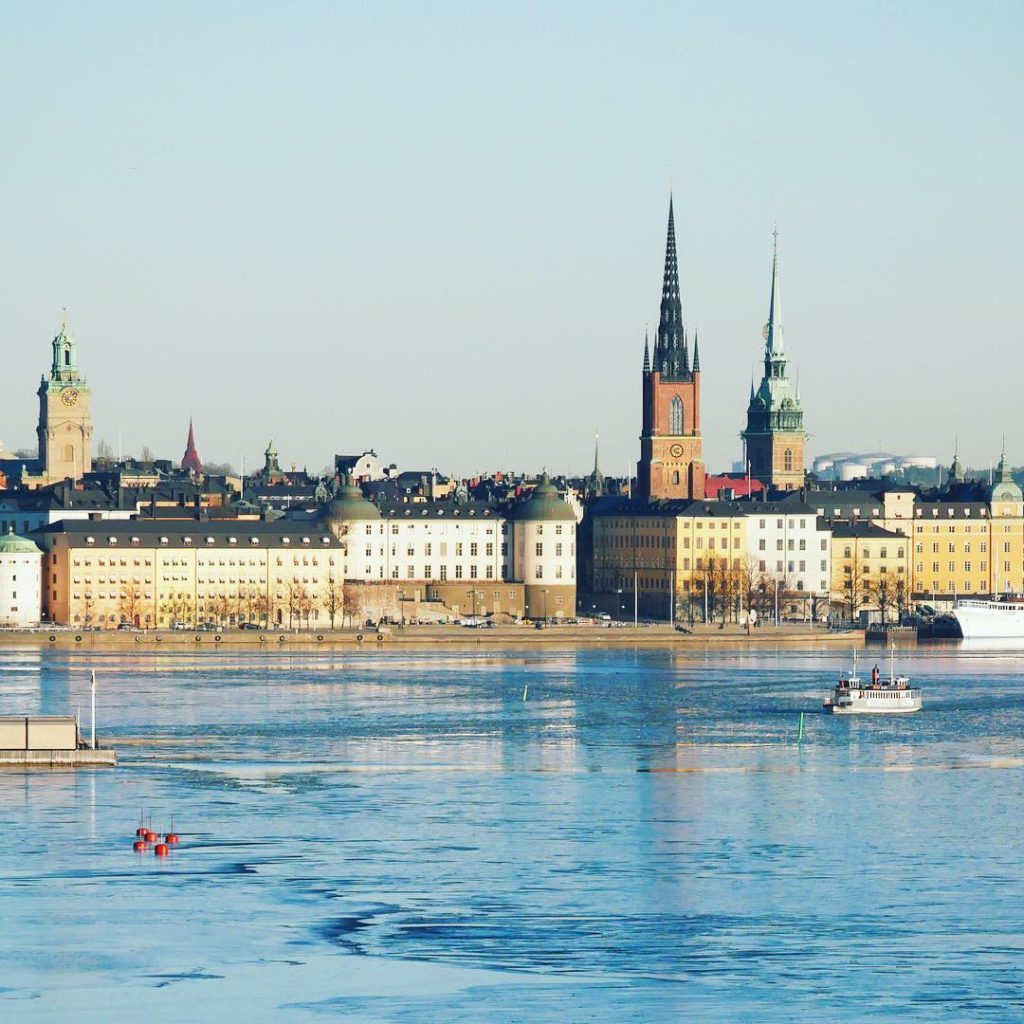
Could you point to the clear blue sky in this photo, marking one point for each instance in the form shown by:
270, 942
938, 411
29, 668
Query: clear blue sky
437, 229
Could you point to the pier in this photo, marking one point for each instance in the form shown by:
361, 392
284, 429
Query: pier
48, 742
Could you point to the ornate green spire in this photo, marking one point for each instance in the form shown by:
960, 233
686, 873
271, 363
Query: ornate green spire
64, 365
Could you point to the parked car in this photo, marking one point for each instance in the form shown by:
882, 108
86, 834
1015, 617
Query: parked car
248, 625
209, 627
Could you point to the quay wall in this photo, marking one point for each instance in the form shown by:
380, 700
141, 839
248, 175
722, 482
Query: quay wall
427, 636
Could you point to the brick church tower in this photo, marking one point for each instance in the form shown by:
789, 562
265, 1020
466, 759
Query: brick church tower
670, 463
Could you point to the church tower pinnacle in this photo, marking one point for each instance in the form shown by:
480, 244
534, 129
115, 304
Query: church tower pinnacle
191, 463
670, 463
65, 422
775, 436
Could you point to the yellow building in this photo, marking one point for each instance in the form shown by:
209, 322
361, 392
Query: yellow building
670, 556
159, 574
870, 571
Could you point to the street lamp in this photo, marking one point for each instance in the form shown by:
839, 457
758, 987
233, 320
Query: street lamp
544, 604
401, 605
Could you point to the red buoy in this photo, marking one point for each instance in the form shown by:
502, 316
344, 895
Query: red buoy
141, 832
151, 837
161, 849
139, 846
171, 838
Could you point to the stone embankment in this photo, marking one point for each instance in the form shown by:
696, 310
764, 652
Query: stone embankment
101, 758
618, 635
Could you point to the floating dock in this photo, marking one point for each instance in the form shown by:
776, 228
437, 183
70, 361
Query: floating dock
48, 742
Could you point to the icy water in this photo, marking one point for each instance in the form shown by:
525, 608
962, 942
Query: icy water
401, 837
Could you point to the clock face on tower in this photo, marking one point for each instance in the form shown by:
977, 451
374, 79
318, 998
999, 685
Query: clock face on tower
675, 451
69, 396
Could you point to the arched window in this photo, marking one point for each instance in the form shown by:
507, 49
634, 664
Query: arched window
67, 357
675, 477
788, 459
69, 452
675, 415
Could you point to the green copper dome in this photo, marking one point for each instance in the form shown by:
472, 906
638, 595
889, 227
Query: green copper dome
1005, 487
349, 505
543, 505
12, 544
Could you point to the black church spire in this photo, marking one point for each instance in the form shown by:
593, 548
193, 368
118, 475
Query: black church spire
671, 356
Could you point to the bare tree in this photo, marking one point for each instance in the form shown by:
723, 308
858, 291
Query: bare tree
901, 595
130, 603
855, 586
883, 592
351, 605
296, 596
146, 456
333, 597
261, 608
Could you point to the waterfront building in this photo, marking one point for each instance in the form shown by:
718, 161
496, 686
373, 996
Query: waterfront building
671, 464
668, 559
970, 547
870, 571
65, 422
20, 581
789, 546
378, 560
774, 436
543, 551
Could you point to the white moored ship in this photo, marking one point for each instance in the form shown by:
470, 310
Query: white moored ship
991, 620
892, 696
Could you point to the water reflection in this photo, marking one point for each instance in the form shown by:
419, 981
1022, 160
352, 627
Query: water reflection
643, 823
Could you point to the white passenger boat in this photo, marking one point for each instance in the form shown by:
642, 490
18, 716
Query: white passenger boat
991, 620
892, 696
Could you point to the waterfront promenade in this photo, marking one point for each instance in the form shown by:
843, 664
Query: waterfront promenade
619, 634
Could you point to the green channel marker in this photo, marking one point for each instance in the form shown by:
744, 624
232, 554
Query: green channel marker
525, 688
800, 731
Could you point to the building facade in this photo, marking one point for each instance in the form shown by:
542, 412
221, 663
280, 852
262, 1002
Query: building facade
870, 572
790, 547
20, 581
774, 436
65, 421
352, 560
671, 462
669, 560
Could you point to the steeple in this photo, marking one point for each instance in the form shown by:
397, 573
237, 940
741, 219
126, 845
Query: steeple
775, 420
956, 472
773, 329
190, 461
647, 355
696, 354
63, 367
671, 358
596, 481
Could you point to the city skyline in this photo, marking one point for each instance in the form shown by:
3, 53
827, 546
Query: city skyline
386, 251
